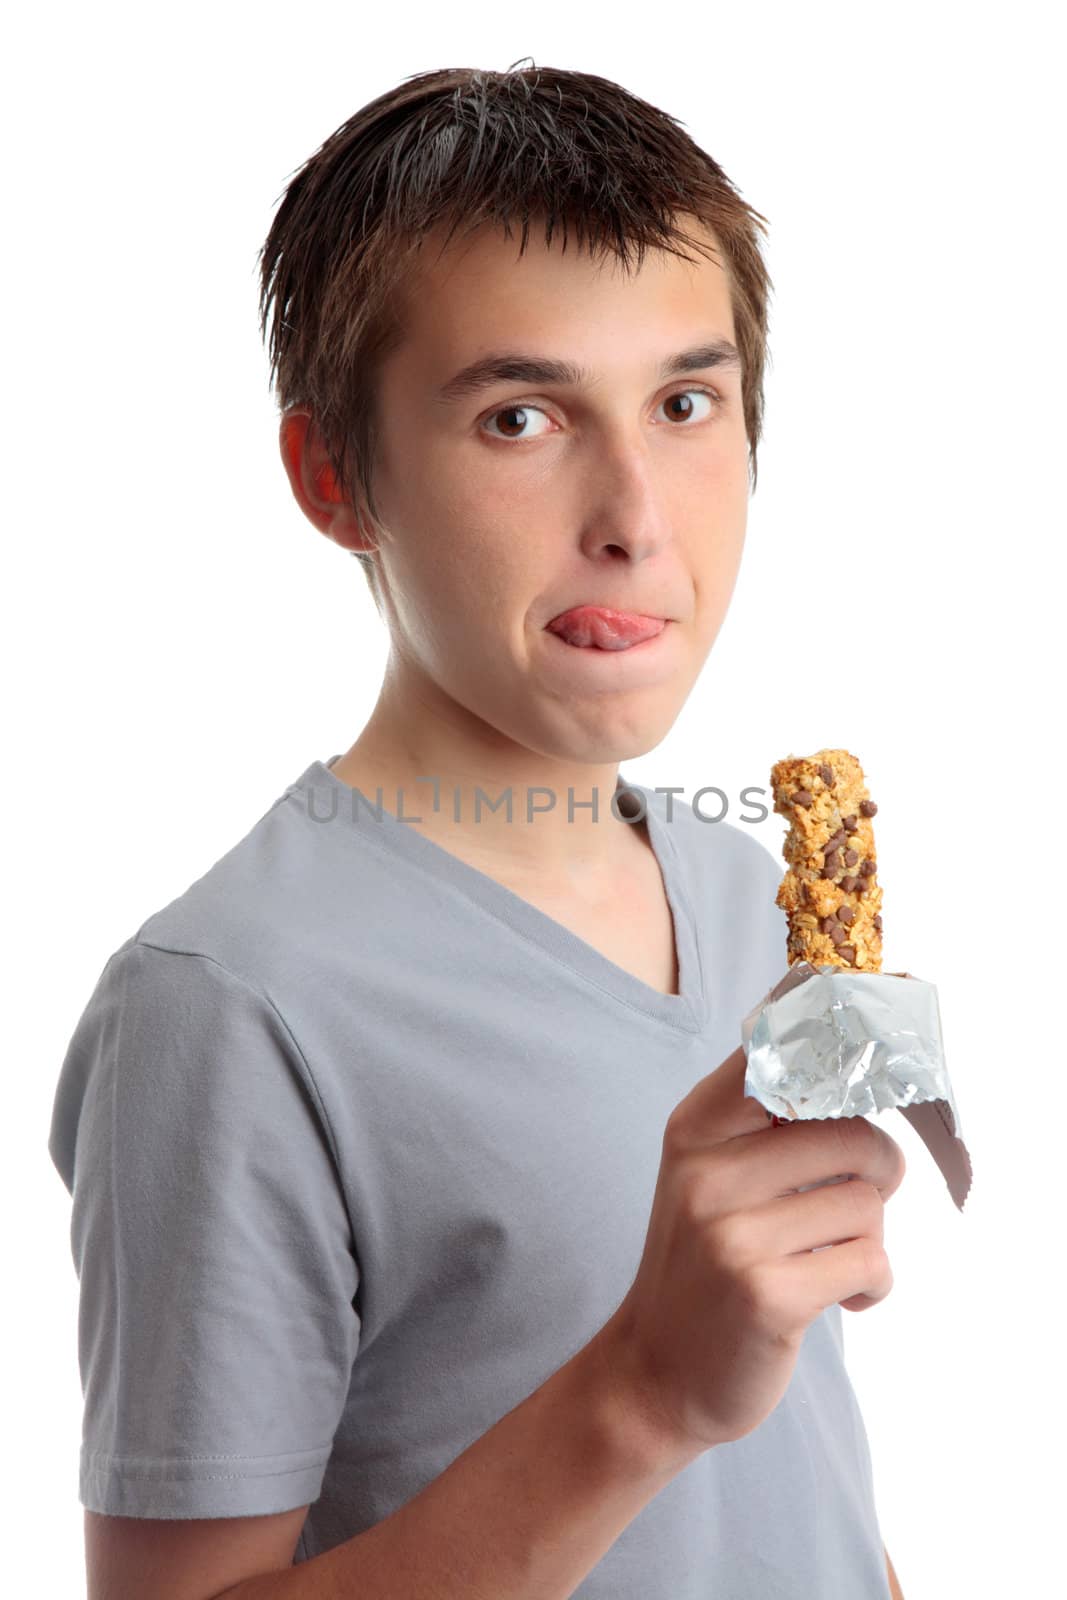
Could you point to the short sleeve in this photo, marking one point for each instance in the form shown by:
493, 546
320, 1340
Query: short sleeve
217, 1323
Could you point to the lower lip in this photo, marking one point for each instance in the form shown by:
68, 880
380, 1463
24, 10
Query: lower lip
608, 661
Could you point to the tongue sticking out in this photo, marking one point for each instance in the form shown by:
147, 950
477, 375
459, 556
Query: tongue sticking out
601, 629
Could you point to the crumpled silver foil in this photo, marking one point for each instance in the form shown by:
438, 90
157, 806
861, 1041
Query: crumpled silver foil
832, 1042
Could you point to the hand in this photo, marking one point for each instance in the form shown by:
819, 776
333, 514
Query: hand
706, 1340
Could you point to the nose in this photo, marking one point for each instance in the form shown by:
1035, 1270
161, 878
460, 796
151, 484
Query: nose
625, 513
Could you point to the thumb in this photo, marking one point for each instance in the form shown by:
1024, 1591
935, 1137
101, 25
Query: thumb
717, 1107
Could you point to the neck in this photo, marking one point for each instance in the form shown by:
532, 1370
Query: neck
451, 777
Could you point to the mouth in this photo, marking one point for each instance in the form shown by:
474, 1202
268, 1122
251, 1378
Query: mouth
603, 628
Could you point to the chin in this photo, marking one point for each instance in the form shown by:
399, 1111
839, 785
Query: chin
615, 740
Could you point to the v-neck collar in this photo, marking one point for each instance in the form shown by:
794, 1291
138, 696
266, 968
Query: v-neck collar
381, 829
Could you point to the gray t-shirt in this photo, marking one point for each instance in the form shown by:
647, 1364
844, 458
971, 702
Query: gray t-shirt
362, 1148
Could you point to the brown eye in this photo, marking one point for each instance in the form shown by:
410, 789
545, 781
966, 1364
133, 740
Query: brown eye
511, 413
682, 399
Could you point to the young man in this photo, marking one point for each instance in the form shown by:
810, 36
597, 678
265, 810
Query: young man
422, 1252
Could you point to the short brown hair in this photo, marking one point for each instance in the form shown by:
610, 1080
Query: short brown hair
464, 147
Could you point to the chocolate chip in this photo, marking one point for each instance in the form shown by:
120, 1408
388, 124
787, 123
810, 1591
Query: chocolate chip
849, 884
851, 857
846, 915
802, 797
878, 921
839, 838
837, 934
867, 869
868, 808
847, 952
831, 866
851, 823
827, 924
861, 887
826, 773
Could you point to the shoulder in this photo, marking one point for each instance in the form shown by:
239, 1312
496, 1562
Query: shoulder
247, 913
175, 1056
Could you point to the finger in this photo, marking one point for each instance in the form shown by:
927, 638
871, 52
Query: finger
717, 1108
857, 1271
796, 1223
806, 1152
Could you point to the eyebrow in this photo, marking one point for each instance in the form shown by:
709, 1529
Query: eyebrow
516, 367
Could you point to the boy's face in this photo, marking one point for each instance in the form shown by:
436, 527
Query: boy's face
505, 507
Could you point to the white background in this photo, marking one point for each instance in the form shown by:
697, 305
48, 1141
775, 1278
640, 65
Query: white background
181, 643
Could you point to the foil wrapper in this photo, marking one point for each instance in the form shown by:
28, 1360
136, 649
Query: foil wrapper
828, 1041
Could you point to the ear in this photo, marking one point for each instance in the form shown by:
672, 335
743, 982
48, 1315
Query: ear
314, 483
